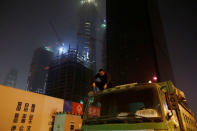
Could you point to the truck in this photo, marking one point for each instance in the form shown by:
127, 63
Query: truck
139, 107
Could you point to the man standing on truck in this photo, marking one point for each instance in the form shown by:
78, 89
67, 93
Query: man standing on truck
101, 81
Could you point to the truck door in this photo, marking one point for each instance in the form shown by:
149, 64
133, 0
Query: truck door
171, 118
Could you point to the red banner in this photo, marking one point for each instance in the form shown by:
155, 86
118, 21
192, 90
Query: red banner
77, 108
94, 111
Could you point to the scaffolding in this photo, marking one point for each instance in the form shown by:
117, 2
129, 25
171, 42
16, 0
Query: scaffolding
69, 77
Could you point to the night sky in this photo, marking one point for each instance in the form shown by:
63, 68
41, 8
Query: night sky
24, 26
180, 24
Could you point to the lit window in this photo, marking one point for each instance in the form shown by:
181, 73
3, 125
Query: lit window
88, 23
82, 1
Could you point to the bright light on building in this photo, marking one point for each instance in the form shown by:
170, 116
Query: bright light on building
155, 78
82, 2
88, 55
149, 81
87, 23
88, 1
46, 68
103, 26
48, 48
62, 50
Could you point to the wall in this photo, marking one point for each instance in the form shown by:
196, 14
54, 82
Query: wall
36, 119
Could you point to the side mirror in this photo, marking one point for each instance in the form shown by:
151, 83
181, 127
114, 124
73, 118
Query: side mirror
172, 101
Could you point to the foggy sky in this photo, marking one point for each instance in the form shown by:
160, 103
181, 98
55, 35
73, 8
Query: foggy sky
24, 27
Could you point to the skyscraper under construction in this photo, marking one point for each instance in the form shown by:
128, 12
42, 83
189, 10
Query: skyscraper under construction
70, 74
88, 16
68, 77
136, 43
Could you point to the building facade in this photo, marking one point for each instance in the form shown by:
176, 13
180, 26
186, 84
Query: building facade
68, 77
86, 34
27, 111
136, 44
39, 69
11, 78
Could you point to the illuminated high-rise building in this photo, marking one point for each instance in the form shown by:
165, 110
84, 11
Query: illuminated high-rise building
88, 16
42, 57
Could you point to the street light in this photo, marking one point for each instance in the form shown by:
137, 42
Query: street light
155, 78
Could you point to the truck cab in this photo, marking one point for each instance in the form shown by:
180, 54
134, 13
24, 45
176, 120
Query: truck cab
139, 106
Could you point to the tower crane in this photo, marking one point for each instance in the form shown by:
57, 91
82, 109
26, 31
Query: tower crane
56, 34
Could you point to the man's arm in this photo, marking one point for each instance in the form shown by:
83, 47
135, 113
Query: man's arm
108, 77
94, 79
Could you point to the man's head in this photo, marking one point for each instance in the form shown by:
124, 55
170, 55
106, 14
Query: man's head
101, 72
